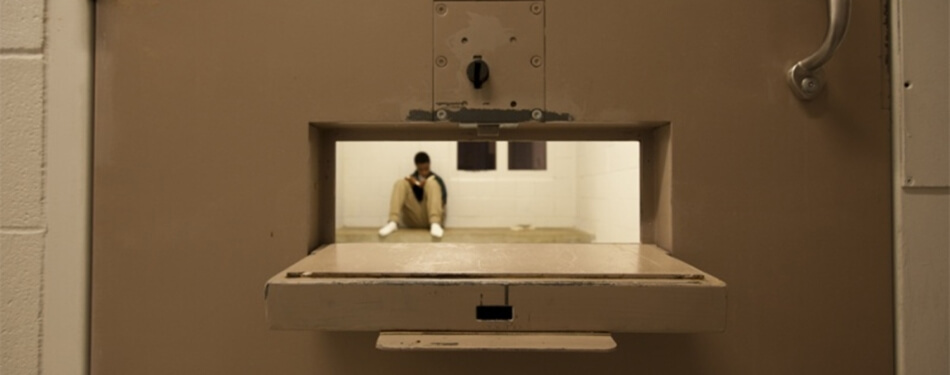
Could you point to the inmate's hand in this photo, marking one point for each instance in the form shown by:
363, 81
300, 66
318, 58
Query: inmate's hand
414, 181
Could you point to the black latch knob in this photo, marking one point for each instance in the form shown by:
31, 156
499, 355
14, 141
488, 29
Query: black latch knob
477, 72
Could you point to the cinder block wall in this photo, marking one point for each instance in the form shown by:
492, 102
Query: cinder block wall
22, 159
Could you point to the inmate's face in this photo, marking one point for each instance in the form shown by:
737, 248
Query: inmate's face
423, 169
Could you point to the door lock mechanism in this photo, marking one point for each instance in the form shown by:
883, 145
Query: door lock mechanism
477, 72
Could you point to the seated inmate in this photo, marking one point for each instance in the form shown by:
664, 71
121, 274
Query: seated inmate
418, 201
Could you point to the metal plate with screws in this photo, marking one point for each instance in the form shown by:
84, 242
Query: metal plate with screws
506, 36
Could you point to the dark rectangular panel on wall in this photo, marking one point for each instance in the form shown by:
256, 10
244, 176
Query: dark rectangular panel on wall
476, 156
527, 155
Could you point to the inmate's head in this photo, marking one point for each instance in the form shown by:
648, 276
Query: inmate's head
422, 164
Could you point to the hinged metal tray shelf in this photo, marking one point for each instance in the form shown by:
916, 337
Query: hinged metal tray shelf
495, 288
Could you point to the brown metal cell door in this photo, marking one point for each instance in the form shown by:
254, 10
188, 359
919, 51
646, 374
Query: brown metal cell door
201, 192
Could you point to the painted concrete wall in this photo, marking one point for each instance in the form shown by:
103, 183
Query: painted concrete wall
45, 133
22, 153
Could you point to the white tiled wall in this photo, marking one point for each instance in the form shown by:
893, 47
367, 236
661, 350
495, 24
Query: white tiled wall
608, 190
366, 172
593, 186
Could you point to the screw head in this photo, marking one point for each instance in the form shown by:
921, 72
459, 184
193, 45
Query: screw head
441, 114
537, 115
809, 85
536, 61
441, 61
536, 8
441, 9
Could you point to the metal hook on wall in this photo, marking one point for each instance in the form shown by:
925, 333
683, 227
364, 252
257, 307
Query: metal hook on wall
806, 76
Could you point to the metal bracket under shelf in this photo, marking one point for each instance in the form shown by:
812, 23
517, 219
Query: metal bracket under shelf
496, 341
